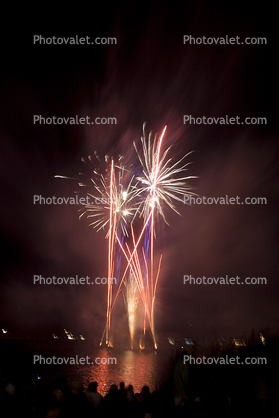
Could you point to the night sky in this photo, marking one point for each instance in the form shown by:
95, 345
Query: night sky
148, 76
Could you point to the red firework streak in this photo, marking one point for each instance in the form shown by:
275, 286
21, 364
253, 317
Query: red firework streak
147, 293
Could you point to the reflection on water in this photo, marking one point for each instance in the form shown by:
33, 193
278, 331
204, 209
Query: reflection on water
136, 368
132, 366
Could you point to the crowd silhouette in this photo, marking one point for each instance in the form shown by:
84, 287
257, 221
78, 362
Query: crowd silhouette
40, 399
187, 391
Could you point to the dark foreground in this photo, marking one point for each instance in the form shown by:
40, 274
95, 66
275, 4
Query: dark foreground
187, 390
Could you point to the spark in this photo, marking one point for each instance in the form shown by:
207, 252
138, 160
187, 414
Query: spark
162, 181
121, 202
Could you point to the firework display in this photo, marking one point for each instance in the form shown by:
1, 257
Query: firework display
123, 202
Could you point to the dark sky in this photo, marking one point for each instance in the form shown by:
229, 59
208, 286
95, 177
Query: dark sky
150, 75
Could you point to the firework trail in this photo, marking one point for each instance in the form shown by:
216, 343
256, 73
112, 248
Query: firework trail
117, 199
110, 206
132, 302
